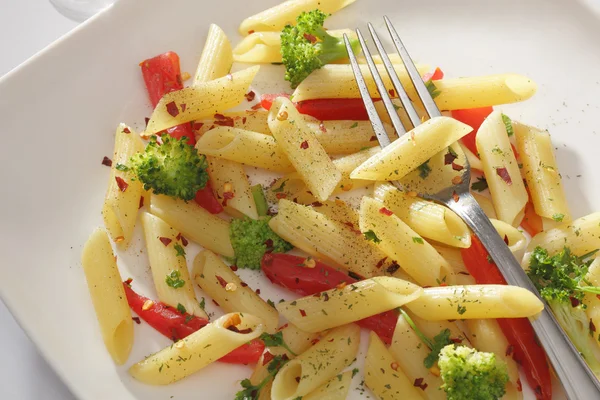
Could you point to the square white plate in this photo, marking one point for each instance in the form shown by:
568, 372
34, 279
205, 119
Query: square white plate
59, 110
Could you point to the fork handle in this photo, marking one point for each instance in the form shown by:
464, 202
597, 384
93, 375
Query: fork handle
577, 378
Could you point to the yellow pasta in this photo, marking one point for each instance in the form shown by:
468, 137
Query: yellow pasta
348, 304
474, 161
250, 120
486, 205
591, 300
216, 59
336, 389
345, 137
108, 296
219, 282
229, 176
303, 149
516, 240
459, 273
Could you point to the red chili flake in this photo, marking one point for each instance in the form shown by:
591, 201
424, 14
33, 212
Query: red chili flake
141, 202
251, 31
183, 106
197, 126
392, 92
506, 239
121, 183
250, 95
322, 127
316, 204
233, 268
385, 211
325, 296
282, 327
236, 330
256, 106
449, 158
128, 281
183, 240
443, 284
455, 340
226, 197
137, 320
509, 350
592, 326
457, 167
243, 284
574, 301
146, 120
418, 383
267, 259
310, 38
330, 340
519, 385
215, 303
373, 138
244, 120
503, 173
172, 109
222, 281
164, 240
257, 291
267, 358
107, 161
464, 273
455, 197
392, 268
298, 379
222, 120
126, 130
380, 263
303, 313
304, 145
315, 341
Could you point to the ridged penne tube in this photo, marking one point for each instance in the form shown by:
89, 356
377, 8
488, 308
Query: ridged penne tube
345, 137
194, 222
245, 147
123, 194
459, 273
338, 210
475, 302
486, 205
384, 376
302, 148
275, 18
229, 176
487, 336
197, 350
516, 240
483, 91
581, 236
216, 59
336, 81
591, 300
168, 264
222, 285
348, 304
200, 101
317, 365
541, 172
336, 389
412, 149
429, 219
409, 352
501, 170
399, 242
325, 239
108, 296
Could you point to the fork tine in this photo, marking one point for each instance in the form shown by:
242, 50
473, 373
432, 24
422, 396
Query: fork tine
378, 127
387, 100
417, 81
404, 99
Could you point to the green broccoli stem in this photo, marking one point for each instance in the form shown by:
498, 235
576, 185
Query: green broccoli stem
333, 48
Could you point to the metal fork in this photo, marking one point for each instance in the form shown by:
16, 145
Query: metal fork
577, 378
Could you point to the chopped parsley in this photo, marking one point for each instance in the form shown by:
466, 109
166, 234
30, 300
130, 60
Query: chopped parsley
180, 251
354, 125
202, 303
558, 217
432, 89
280, 188
370, 235
252, 392
439, 341
424, 170
418, 240
174, 280
181, 308
121, 167
480, 185
354, 372
508, 124
275, 340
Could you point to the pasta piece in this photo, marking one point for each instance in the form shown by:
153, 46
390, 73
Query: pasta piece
514, 239
339, 211
336, 81
336, 389
399, 242
168, 265
108, 296
275, 18
591, 300
303, 149
200, 101
216, 59
229, 177
460, 275
199, 349
345, 137
428, 219
219, 282
541, 172
246, 147
250, 120
474, 161
317, 365
409, 352
384, 376
501, 170
412, 149
433, 328
194, 222
123, 194
349, 303
326, 239
486, 205
475, 302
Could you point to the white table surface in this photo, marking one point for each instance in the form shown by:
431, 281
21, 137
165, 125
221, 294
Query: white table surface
26, 26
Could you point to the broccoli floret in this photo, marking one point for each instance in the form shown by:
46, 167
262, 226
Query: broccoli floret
307, 46
173, 168
469, 374
251, 239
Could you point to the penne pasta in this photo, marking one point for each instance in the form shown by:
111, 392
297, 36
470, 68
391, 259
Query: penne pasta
122, 199
475, 302
317, 365
219, 282
474, 161
541, 172
303, 149
345, 137
168, 265
384, 376
429, 219
432, 328
229, 177
275, 18
459, 273
245, 147
194, 222
486, 205
501, 170
108, 296
348, 304
326, 239
591, 300
403, 245
250, 120
197, 350
514, 239
200, 101
336, 389
216, 59
412, 149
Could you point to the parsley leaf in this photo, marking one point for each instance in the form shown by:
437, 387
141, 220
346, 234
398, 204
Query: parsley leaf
480, 185
354, 125
280, 188
275, 340
440, 341
424, 170
558, 217
418, 240
181, 308
121, 167
354, 372
202, 303
174, 280
180, 251
432, 89
508, 124
252, 392
370, 235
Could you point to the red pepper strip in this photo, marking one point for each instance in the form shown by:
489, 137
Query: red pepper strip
324, 109
286, 270
518, 331
176, 326
473, 117
436, 75
206, 198
532, 223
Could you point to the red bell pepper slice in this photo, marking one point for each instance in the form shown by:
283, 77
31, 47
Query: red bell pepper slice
518, 331
473, 117
286, 270
324, 109
436, 75
206, 198
176, 326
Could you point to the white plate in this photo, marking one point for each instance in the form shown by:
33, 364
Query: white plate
59, 110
